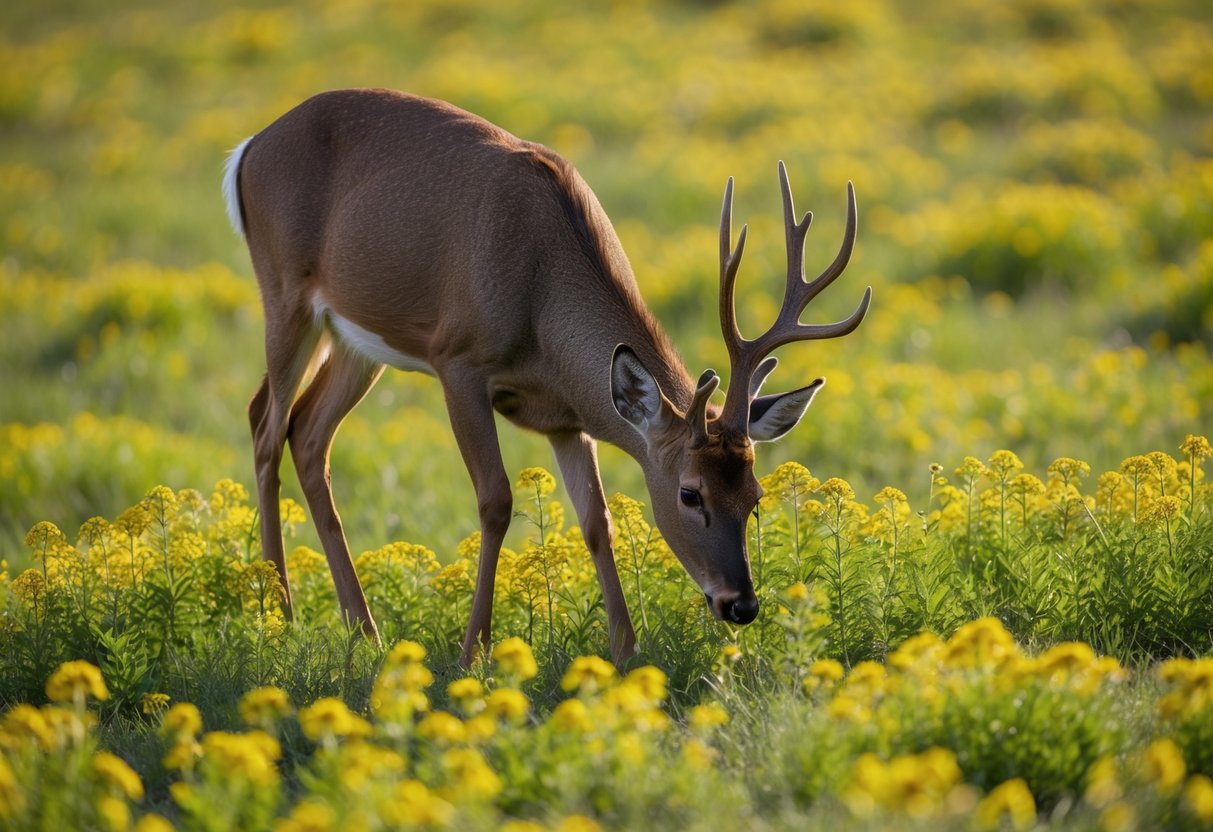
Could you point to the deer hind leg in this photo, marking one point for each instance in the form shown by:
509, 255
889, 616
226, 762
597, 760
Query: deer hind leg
471, 415
577, 456
340, 384
290, 346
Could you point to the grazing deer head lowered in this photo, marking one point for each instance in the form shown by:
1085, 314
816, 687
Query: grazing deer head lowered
391, 230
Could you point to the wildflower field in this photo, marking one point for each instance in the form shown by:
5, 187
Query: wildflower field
985, 559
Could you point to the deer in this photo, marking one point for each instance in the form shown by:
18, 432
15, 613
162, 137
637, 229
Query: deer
391, 230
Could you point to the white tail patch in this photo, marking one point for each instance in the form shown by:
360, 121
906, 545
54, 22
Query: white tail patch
231, 185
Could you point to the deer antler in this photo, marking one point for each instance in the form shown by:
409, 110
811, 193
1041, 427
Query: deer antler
748, 369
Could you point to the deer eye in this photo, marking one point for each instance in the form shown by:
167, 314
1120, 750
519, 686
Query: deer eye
690, 497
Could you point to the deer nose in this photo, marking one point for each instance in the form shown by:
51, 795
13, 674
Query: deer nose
739, 609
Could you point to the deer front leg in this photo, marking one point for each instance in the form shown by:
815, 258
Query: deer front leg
577, 456
471, 416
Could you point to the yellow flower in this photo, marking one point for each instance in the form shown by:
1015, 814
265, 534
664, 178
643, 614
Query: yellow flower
182, 756
465, 689
330, 718
154, 704
153, 822
537, 480
406, 652
522, 826
578, 823
248, 756
1103, 786
263, 707
74, 681
837, 489
915, 784
823, 674
649, 681
507, 704
1196, 447
25, 723
514, 659
115, 772
1013, 801
311, 815
473, 778
730, 654
1163, 765
797, 592
588, 674
12, 800
708, 715
414, 805
572, 717
181, 720
442, 728
114, 813
698, 754
1002, 464
1198, 797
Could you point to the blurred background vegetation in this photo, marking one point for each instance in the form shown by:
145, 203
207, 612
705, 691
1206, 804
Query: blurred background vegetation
1035, 183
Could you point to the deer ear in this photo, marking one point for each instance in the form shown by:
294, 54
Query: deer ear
634, 391
773, 416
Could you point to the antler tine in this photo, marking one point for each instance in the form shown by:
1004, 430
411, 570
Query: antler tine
730, 260
746, 356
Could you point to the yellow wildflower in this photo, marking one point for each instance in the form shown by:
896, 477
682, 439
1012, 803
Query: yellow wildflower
578, 823
153, 822
1198, 797
183, 754
588, 674
114, 813
25, 723
154, 704
1002, 464
514, 659
329, 718
310, 815
263, 707
823, 673
837, 489
115, 772
536, 480
571, 716
1103, 786
1163, 765
1011, 801
649, 681
464, 689
181, 720
707, 716
74, 681
414, 805
473, 778
406, 652
1196, 447
248, 756
442, 728
507, 704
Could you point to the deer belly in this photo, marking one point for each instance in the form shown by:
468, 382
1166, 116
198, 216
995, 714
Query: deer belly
532, 410
367, 343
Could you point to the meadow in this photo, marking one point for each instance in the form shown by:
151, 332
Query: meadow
984, 558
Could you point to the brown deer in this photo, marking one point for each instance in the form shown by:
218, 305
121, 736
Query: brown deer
387, 229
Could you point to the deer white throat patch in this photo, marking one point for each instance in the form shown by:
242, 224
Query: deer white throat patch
366, 343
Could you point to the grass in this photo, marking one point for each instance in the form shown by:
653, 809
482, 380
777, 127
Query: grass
1035, 192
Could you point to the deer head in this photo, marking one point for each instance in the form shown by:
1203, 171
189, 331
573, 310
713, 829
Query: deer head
700, 463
